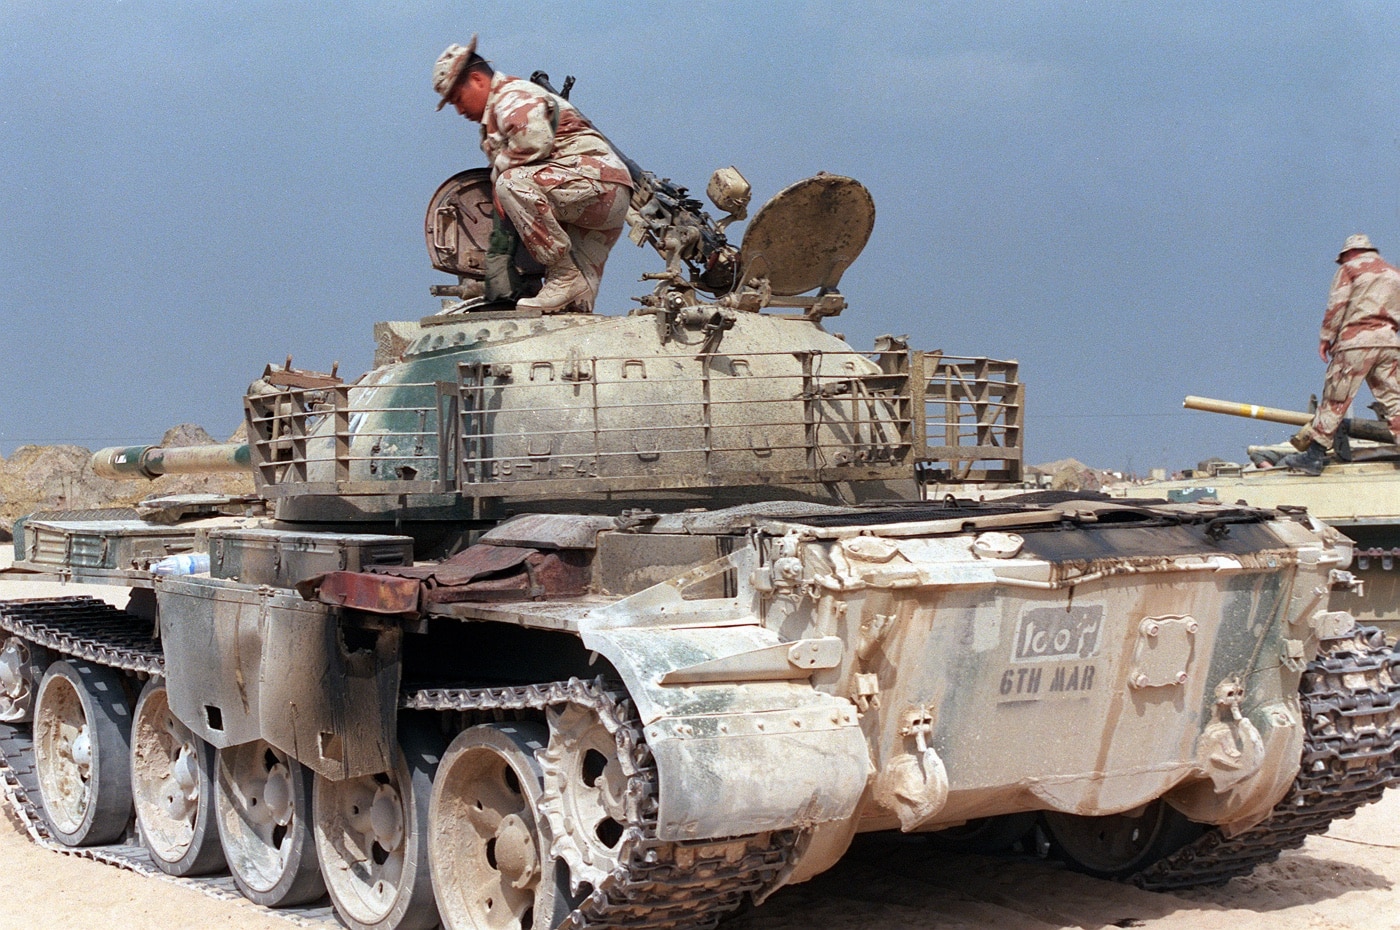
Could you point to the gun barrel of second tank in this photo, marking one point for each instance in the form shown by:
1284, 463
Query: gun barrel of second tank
1358, 429
130, 462
1254, 411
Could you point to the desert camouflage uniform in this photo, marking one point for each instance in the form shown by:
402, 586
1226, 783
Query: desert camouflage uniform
556, 177
1363, 315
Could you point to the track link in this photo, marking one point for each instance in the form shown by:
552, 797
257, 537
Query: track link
1350, 696
20, 786
86, 628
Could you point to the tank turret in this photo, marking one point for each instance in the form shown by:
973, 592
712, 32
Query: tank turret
482, 409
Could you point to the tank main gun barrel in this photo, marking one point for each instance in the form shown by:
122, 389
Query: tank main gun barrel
131, 462
1357, 429
1253, 411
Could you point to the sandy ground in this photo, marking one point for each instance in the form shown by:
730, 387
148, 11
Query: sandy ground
53, 891
1344, 880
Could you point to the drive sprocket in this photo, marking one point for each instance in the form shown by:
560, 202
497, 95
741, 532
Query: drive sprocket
589, 792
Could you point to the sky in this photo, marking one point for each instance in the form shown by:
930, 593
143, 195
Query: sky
1135, 201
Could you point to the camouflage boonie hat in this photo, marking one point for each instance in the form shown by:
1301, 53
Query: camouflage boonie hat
1359, 242
450, 65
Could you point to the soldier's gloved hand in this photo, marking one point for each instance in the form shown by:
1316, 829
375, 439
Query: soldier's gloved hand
1324, 350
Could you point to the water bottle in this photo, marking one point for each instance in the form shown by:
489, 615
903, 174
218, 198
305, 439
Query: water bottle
186, 563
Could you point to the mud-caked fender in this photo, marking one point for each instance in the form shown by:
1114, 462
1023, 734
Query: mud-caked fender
246, 662
738, 750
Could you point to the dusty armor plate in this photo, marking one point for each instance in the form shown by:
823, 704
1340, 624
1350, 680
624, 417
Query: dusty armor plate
458, 224
808, 234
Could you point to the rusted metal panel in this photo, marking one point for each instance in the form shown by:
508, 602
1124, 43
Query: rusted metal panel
555, 574
464, 567
376, 594
478, 573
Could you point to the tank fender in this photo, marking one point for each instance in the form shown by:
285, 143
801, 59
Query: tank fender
1249, 766
737, 757
330, 693
245, 662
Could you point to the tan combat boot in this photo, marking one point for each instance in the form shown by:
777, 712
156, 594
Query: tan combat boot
564, 284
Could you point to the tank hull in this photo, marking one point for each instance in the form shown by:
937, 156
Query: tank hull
907, 666
1361, 499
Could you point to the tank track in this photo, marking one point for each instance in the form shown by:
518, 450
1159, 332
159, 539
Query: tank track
91, 629
1351, 753
20, 786
86, 628
688, 885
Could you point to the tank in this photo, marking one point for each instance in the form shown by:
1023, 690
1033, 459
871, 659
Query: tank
1358, 493
583, 620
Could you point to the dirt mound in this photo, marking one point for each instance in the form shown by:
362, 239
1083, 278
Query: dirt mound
187, 434
61, 478
1069, 475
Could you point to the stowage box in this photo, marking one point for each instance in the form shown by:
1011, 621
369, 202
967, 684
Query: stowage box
281, 559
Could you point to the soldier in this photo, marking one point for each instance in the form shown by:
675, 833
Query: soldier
1358, 342
556, 178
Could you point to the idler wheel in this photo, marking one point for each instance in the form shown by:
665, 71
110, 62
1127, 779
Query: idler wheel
263, 800
172, 784
490, 859
22, 667
372, 838
82, 752
1119, 845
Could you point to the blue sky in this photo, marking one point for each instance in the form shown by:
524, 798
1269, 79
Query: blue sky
1136, 201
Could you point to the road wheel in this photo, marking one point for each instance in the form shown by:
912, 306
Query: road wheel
172, 784
490, 858
82, 752
1119, 845
263, 801
372, 838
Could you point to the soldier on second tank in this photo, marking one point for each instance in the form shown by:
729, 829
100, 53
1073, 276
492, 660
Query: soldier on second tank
1359, 342
555, 176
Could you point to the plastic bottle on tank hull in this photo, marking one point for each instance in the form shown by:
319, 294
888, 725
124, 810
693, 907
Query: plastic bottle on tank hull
186, 563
